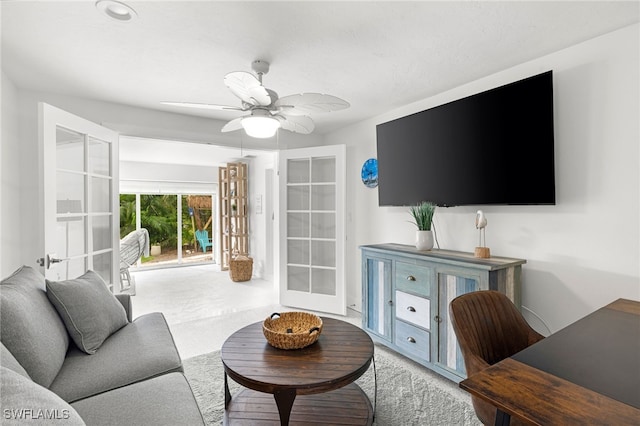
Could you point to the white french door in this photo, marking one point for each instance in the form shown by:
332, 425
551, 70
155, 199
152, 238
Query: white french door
312, 234
81, 220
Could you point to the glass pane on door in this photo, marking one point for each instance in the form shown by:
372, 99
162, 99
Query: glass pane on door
100, 195
197, 214
71, 213
324, 169
102, 232
69, 150
298, 252
102, 266
298, 197
323, 253
83, 168
311, 228
79, 158
298, 278
71, 244
159, 215
74, 267
323, 197
323, 225
298, 225
324, 281
298, 171
312, 212
99, 156
70, 192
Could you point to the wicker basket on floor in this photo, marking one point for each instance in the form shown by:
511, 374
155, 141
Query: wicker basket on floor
240, 268
292, 330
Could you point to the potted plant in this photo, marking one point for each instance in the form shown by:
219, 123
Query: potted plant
422, 214
156, 249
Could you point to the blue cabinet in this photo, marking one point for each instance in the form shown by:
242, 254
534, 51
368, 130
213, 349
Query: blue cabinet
406, 295
376, 315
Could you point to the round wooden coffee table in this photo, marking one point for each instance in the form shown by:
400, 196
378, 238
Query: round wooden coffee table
318, 378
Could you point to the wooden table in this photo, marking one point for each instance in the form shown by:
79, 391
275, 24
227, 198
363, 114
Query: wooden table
586, 373
318, 378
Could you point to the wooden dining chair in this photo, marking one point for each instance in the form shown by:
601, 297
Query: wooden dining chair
489, 329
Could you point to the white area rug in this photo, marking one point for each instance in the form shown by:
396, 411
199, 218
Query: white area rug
408, 394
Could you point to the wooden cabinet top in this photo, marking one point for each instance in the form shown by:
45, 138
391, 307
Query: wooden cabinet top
450, 257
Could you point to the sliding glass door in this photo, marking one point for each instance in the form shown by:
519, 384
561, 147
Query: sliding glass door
180, 226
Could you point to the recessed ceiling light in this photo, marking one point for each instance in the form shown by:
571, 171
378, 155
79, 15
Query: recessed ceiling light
116, 10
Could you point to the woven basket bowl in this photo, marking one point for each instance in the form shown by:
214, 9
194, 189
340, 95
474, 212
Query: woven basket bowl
240, 268
292, 330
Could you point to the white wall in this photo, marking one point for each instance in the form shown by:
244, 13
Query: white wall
581, 253
10, 159
259, 220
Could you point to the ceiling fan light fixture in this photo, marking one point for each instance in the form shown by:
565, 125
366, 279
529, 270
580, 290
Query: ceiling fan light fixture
260, 126
268, 112
116, 10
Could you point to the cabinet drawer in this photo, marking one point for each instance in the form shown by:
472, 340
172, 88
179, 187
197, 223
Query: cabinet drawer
413, 340
413, 309
413, 278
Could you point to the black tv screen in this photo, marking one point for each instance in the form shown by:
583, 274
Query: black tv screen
495, 147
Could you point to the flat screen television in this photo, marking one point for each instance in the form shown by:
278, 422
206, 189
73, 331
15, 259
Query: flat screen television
494, 147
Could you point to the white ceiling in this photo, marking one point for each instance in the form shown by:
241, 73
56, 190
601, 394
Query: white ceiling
375, 55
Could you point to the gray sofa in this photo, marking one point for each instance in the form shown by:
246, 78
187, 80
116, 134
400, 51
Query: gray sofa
60, 363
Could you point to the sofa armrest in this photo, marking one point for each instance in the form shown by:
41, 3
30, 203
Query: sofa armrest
125, 299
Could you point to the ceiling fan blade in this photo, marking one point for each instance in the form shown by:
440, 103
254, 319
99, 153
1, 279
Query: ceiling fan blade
204, 106
248, 88
309, 103
296, 124
233, 125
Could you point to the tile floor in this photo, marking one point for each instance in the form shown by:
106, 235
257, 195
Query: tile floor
203, 306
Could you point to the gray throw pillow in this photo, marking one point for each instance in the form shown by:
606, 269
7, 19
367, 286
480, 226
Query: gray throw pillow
26, 402
31, 328
89, 310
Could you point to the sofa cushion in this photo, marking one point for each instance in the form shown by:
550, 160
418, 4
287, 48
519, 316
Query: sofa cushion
140, 350
165, 400
26, 402
88, 308
9, 361
31, 328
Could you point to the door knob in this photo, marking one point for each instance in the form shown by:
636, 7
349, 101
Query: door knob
48, 260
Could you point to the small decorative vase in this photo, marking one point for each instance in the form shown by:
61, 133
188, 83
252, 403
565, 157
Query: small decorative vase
424, 240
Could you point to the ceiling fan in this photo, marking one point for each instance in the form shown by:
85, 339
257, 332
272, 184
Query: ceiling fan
267, 111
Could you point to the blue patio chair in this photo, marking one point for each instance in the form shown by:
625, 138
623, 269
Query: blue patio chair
202, 235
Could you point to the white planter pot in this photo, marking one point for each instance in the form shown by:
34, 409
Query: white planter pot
424, 240
155, 251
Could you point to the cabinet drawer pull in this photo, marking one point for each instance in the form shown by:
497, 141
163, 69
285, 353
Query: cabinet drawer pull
390, 302
411, 278
411, 309
411, 339
437, 318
